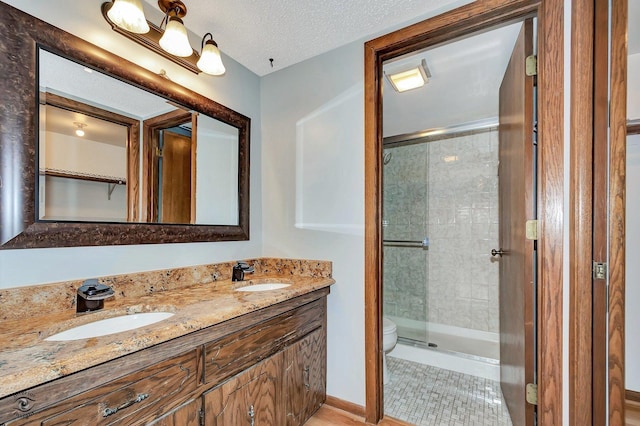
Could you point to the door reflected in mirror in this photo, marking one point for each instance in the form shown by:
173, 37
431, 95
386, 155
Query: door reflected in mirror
111, 152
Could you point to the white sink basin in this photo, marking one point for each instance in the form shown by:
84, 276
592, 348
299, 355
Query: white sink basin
263, 287
109, 326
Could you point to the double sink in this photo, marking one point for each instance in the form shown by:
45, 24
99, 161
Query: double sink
133, 321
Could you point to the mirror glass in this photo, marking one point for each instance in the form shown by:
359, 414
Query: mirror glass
111, 152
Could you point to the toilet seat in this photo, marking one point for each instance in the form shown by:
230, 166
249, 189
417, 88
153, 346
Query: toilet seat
389, 339
388, 326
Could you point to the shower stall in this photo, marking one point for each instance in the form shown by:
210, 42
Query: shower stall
440, 222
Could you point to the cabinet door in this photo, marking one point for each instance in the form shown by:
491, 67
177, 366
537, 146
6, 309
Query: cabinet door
305, 377
251, 398
186, 415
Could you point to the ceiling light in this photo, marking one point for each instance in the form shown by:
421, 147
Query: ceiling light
411, 78
172, 42
210, 61
79, 128
128, 15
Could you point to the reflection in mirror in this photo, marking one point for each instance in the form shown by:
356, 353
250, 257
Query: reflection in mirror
217, 158
82, 166
189, 160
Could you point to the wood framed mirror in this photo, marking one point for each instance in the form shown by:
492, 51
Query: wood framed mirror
23, 222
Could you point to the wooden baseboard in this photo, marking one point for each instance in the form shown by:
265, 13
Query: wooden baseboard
359, 411
349, 407
632, 395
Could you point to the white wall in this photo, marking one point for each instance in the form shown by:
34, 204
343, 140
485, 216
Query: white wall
239, 89
632, 279
290, 105
216, 172
313, 133
633, 87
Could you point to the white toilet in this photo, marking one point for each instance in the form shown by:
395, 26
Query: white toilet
389, 339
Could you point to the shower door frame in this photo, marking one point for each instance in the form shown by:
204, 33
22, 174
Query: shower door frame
463, 21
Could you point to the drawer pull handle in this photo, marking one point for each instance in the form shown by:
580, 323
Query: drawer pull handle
252, 415
109, 411
306, 377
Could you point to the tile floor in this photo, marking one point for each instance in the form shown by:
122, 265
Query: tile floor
430, 396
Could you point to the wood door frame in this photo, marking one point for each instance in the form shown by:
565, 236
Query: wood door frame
481, 14
604, 118
617, 207
150, 129
580, 220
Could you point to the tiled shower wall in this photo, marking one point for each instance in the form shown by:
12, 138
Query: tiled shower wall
445, 190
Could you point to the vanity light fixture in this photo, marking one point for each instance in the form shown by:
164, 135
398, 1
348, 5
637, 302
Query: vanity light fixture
79, 128
411, 78
171, 42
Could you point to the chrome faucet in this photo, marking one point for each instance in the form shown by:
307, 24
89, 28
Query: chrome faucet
91, 295
240, 269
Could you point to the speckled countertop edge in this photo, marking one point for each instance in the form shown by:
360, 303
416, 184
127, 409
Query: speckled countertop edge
27, 360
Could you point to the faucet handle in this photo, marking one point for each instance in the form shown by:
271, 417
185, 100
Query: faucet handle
91, 295
240, 269
245, 266
91, 289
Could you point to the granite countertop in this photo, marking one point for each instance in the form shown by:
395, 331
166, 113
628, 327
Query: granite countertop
27, 360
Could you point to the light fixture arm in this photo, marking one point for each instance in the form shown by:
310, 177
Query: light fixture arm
204, 39
177, 13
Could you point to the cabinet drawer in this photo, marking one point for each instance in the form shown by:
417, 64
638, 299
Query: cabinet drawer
150, 392
228, 356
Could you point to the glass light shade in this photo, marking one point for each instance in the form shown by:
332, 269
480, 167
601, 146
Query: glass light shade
175, 40
128, 15
210, 61
79, 132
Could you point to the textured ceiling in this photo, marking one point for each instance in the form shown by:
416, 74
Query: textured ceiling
290, 31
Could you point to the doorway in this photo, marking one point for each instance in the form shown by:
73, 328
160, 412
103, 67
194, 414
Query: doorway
452, 25
170, 145
453, 193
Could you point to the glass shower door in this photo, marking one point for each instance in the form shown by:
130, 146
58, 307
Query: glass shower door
405, 240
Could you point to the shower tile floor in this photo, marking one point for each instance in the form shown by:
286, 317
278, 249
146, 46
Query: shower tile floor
431, 396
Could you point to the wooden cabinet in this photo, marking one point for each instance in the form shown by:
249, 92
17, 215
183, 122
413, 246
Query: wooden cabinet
266, 368
252, 398
189, 414
128, 400
305, 377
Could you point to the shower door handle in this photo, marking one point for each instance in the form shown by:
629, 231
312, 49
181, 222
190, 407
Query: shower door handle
498, 252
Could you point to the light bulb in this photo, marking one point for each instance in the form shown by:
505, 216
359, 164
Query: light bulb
79, 128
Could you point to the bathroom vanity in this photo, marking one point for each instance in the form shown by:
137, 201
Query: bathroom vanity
261, 360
